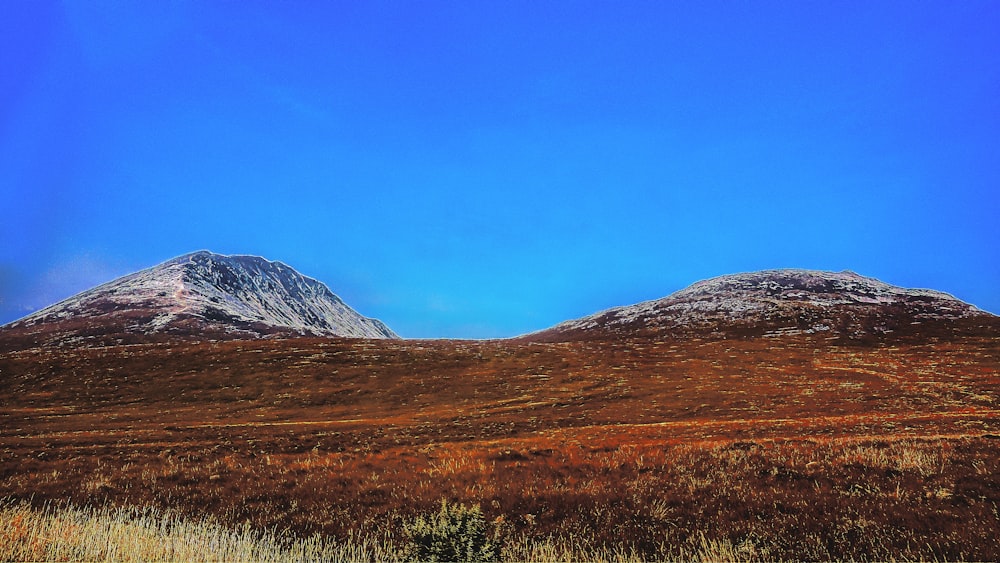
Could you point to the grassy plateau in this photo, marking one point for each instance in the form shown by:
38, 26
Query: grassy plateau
791, 447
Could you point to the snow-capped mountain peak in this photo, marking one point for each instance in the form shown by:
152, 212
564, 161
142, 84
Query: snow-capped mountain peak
203, 292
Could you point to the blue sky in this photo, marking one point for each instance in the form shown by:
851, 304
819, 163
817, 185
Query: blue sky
484, 169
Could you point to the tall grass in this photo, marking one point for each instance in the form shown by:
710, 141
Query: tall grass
611, 500
84, 534
71, 533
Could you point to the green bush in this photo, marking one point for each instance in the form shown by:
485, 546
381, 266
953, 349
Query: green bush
453, 533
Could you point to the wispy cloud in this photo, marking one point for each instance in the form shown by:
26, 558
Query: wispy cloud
21, 294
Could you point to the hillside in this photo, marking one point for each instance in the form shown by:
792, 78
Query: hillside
790, 447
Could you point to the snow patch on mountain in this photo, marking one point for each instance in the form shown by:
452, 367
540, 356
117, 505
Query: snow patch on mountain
235, 293
786, 301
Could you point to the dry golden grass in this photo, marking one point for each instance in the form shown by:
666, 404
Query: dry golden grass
84, 534
75, 534
622, 498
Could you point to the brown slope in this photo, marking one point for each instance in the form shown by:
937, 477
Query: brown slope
633, 441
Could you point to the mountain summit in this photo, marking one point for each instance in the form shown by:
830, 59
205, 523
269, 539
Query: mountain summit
776, 302
205, 294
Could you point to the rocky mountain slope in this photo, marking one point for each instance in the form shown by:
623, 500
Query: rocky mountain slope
775, 302
206, 295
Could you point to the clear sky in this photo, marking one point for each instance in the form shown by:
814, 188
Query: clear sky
480, 168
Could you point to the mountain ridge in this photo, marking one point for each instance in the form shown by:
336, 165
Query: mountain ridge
213, 296
774, 302
238, 296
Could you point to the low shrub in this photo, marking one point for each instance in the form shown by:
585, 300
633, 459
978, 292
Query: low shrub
453, 533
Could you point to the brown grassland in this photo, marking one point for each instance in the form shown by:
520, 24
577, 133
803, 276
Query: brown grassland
756, 448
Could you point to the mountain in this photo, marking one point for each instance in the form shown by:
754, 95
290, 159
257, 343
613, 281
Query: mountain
202, 295
843, 305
